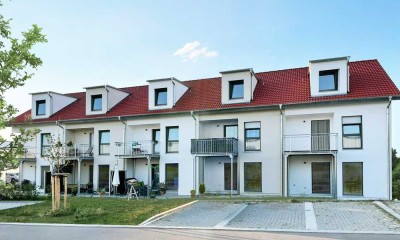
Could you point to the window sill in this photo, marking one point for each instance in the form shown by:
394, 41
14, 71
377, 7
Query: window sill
352, 149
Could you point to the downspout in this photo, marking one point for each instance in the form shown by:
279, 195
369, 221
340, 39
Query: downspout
173, 93
50, 104
107, 100
281, 151
123, 138
389, 142
124, 132
195, 156
58, 124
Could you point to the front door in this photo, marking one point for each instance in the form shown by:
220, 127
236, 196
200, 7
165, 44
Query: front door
155, 175
227, 176
320, 130
321, 177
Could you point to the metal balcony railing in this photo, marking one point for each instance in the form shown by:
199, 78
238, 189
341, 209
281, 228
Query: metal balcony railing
324, 142
29, 152
135, 148
79, 150
214, 146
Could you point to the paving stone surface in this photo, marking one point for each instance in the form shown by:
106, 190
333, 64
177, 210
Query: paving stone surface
15, 204
395, 205
200, 214
271, 216
353, 216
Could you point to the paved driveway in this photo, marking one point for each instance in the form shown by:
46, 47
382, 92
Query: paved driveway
327, 216
15, 204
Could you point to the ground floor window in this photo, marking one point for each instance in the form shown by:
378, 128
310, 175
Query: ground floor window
321, 177
353, 178
104, 179
252, 177
172, 176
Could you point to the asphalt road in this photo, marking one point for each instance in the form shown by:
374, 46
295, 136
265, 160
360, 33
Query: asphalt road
24, 232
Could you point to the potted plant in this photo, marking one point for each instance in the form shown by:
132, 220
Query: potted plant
74, 190
152, 194
70, 143
193, 193
202, 188
163, 188
101, 192
90, 188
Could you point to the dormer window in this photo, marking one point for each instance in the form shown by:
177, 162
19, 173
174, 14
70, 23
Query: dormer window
160, 96
97, 102
328, 80
40, 107
236, 89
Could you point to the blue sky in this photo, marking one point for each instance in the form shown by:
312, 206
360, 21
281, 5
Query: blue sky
125, 43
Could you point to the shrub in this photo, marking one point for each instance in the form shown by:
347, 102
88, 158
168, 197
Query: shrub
396, 182
25, 191
202, 188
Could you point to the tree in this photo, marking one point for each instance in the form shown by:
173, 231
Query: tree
395, 159
17, 63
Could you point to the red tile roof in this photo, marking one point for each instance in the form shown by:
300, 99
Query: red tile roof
291, 86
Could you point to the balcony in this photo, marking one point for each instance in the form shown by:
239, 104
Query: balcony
214, 146
83, 151
138, 149
311, 143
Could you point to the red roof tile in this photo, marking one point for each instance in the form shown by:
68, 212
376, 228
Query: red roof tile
292, 86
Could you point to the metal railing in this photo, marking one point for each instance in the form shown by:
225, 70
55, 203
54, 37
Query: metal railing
214, 146
79, 150
29, 152
134, 148
324, 142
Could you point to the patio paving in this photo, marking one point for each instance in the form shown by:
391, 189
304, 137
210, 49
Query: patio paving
271, 216
15, 204
332, 216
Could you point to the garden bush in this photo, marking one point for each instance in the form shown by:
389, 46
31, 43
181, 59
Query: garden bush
25, 191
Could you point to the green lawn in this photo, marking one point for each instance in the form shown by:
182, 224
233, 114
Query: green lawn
92, 211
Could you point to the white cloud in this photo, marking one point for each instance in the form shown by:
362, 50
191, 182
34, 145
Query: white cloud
193, 50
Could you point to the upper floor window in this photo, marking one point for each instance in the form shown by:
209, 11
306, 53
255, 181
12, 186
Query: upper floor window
328, 80
104, 142
352, 132
160, 96
40, 107
236, 89
97, 102
45, 140
252, 135
172, 139
231, 131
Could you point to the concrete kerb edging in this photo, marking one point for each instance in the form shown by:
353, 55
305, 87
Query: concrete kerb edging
164, 214
388, 209
201, 228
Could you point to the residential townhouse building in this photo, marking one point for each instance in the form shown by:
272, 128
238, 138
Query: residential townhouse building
322, 130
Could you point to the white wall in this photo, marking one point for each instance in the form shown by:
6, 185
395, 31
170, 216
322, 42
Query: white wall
248, 81
214, 173
375, 146
269, 156
175, 91
54, 103
300, 174
316, 67
215, 128
29, 172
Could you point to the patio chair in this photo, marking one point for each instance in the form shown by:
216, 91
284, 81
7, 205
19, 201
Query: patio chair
88, 152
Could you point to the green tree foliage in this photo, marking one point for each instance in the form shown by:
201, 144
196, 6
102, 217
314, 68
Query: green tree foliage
395, 174
17, 63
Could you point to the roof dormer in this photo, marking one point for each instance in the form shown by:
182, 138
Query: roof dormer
329, 77
165, 93
238, 86
100, 99
45, 104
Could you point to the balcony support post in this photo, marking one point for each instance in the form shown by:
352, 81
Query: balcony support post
79, 176
231, 157
148, 175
